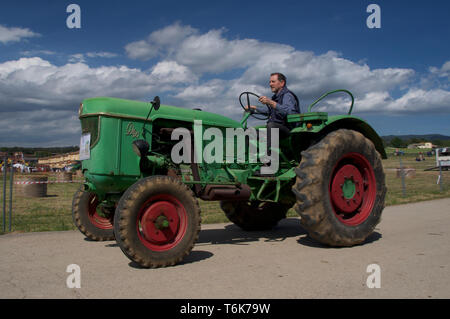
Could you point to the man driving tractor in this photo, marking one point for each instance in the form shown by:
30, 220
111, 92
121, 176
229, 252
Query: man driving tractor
283, 103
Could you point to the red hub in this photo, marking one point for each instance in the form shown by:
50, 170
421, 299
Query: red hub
95, 219
161, 222
352, 189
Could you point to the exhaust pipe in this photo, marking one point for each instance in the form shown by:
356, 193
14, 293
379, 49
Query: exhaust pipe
227, 192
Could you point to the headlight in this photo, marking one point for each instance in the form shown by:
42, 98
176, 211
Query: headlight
141, 147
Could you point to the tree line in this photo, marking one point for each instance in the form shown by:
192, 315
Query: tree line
397, 142
40, 151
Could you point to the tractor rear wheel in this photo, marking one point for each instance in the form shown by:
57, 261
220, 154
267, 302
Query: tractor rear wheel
253, 216
86, 217
157, 221
340, 189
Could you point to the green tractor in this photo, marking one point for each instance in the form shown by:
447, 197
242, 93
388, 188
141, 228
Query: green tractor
329, 171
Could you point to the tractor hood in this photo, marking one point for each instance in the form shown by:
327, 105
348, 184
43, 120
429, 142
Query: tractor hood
114, 107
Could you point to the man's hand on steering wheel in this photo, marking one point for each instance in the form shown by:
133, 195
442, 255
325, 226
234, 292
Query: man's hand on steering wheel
251, 107
254, 110
266, 101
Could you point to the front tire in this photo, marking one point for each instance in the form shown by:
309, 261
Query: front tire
86, 218
157, 221
340, 189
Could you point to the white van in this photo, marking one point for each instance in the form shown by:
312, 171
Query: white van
443, 156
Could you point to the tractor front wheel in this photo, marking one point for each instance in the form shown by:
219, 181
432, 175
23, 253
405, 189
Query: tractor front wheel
340, 189
157, 221
93, 224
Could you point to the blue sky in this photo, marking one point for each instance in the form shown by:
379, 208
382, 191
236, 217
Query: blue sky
204, 53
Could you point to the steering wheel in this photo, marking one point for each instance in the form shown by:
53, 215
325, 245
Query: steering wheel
254, 113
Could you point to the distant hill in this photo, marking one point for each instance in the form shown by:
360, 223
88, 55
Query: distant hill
428, 137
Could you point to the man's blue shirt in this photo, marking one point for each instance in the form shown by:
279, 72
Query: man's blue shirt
286, 104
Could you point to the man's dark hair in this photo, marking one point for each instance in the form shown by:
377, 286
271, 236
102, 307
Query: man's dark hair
281, 77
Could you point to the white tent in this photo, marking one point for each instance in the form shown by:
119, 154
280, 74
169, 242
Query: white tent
19, 166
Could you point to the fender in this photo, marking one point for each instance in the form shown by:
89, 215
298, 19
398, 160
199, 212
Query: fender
334, 123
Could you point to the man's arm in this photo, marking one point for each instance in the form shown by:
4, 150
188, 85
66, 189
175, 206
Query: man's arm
288, 106
259, 110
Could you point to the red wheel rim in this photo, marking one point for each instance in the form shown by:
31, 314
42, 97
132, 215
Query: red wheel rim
95, 219
352, 189
162, 222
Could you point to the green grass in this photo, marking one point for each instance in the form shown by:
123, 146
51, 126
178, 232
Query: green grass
53, 213
418, 188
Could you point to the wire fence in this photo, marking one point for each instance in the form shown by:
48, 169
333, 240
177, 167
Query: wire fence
37, 201
414, 176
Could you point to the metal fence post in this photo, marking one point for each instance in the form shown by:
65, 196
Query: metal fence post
402, 174
5, 169
440, 176
11, 179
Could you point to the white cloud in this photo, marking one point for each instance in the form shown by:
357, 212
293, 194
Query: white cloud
15, 34
208, 52
39, 101
187, 67
443, 71
44, 127
81, 57
210, 90
101, 55
312, 75
77, 58
37, 52
213, 53
29, 82
415, 100
171, 71
419, 100
309, 75
141, 50
192, 69
159, 42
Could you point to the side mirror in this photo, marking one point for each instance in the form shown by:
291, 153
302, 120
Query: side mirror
156, 103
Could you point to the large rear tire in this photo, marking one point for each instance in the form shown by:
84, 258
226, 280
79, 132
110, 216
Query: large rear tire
254, 216
340, 189
86, 217
157, 221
